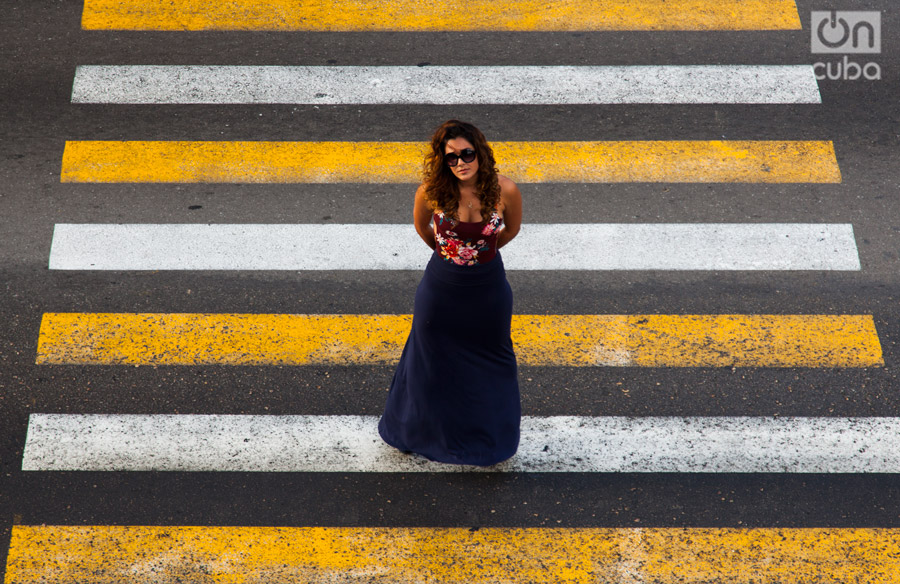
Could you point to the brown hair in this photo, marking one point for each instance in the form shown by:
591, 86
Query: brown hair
442, 186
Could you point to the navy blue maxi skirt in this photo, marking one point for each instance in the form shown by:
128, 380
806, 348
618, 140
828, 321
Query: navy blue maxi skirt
455, 394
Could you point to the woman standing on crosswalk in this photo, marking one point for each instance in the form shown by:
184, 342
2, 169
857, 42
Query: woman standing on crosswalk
455, 394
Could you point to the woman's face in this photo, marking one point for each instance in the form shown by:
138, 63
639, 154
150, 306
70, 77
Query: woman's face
464, 171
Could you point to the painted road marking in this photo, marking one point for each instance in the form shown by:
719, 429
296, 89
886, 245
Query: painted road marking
765, 161
414, 15
138, 554
540, 340
586, 246
245, 443
186, 84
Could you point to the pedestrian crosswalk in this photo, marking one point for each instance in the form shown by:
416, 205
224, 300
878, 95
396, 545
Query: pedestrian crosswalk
168, 441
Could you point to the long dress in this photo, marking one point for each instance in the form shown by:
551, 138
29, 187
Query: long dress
455, 394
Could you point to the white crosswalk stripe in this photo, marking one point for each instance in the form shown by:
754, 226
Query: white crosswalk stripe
551, 444
590, 246
184, 84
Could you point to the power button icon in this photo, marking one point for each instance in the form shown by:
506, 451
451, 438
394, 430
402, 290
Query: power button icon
832, 24
845, 31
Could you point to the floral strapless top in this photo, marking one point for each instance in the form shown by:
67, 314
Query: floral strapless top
467, 243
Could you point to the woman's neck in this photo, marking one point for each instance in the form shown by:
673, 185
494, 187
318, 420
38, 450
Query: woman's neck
467, 185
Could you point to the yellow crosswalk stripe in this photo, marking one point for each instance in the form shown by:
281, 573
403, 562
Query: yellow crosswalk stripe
558, 340
239, 555
766, 161
414, 15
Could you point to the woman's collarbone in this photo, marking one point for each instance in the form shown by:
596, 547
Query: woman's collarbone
476, 216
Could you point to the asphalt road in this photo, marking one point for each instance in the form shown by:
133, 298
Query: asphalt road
42, 43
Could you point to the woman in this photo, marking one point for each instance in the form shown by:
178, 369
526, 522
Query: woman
455, 394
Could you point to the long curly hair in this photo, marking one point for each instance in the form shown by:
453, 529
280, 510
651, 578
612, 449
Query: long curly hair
442, 186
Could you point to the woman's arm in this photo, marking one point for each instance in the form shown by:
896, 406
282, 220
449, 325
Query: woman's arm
422, 213
511, 198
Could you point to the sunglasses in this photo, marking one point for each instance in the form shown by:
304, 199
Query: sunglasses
467, 155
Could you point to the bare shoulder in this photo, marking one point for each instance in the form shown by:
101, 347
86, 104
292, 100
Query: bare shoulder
509, 192
422, 197
506, 185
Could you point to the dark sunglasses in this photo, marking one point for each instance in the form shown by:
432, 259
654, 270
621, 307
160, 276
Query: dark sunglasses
467, 155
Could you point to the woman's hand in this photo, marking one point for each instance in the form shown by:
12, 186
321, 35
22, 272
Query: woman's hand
511, 202
422, 215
